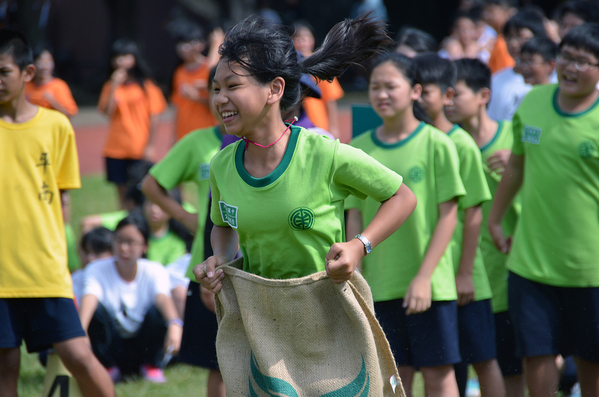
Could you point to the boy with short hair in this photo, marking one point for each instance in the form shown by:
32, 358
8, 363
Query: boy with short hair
494, 139
475, 315
39, 161
537, 61
553, 264
574, 13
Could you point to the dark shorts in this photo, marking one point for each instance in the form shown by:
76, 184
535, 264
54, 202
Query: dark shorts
41, 322
198, 344
553, 320
476, 327
428, 339
505, 335
117, 169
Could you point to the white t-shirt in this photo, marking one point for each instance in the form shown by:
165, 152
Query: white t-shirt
126, 302
508, 89
77, 277
177, 271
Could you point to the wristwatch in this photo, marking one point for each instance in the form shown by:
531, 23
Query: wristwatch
367, 245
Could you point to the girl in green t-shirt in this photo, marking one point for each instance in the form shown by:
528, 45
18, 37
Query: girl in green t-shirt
411, 275
258, 77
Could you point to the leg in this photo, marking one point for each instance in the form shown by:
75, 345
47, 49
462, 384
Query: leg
122, 190
588, 376
440, 381
490, 379
216, 386
542, 376
10, 361
514, 385
85, 367
406, 373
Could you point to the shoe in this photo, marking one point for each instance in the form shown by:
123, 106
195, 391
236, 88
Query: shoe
115, 374
152, 373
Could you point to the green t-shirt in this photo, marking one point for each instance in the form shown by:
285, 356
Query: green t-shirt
110, 219
429, 161
166, 249
477, 193
189, 160
288, 220
495, 260
557, 239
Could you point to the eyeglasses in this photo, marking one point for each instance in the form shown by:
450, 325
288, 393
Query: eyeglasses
130, 243
582, 65
529, 63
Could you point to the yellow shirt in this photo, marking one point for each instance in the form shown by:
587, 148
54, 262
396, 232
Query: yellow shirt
38, 158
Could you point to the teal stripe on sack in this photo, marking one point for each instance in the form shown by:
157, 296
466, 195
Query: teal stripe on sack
359, 387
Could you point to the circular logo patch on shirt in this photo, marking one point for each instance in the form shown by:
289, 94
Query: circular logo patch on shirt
416, 174
301, 218
587, 149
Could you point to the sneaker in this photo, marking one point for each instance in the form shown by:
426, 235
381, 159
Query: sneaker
115, 374
152, 373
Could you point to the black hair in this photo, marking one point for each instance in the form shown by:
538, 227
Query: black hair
140, 71
300, 23
416, 39
527, 19
98, 239
211, 78
432, 69
473, 73
543, 46
502, 3
476, 13
16, 44
136, 219
584, 37
459, 14
407, 67
586, 10
40, 49
266, 51
189, 32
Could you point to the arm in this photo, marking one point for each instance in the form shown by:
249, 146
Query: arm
418, 296
463, 280
117, 78
343, 258
216, 38
353, 226
498, 161
55, 103
225, 244
157, 194
509, 186
167, 309
333, 113
150, 152
87, 308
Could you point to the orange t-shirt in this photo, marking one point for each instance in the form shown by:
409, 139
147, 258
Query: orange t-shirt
500, 57
130, 123
191, 115
55, 87
316, 108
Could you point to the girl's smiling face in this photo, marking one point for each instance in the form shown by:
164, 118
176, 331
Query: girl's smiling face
390, 92
238, 98
129, 245
124, 61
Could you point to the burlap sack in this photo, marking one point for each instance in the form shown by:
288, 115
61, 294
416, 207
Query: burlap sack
302, 337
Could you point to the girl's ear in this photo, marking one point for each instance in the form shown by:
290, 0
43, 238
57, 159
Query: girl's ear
277, 89
448, 96
416, 92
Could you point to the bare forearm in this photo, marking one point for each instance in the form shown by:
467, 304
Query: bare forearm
166, 307
153, 127
508, 188
87, 308
472, 221
156, 194
225, 242
440, 239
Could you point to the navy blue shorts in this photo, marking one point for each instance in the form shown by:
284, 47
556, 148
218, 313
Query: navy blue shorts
41, 322
198, 344
553, 320
476, 327
117, 170
428, 339
505, 335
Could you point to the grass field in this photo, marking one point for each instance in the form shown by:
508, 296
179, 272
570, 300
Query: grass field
98, 196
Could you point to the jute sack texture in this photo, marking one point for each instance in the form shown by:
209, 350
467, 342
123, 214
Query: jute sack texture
303, 337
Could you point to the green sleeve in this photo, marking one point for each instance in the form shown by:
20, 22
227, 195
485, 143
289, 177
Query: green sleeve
517, 147
177, 166
358, 174
215, 215
447, 170
473, 177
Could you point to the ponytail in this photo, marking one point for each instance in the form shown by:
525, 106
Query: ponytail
266, 51
348, 43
